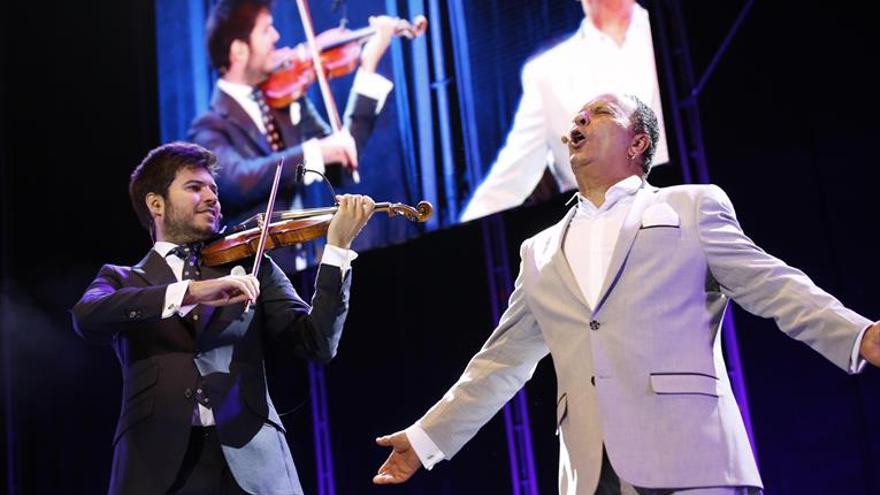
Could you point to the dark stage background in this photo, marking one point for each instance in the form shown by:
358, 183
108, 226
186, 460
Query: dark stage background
790, 123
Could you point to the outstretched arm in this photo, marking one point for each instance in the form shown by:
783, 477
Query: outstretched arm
765, 286
506, 361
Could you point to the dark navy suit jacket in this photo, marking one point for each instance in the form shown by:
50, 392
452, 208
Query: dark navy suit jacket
167, 364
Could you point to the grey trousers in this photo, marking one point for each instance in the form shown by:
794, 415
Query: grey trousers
611, 484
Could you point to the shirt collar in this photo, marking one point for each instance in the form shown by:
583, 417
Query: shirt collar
622, 190
163, 248
236, 90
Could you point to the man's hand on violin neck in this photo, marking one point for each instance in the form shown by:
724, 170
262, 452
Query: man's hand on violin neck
353, 213
378, 44
223, 291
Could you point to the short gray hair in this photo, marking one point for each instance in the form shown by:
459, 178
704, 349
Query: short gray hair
644, 121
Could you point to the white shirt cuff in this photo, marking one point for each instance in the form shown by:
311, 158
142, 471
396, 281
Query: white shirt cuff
174, 298
337, 256
424, 447
857, 362
373, 86
314, 160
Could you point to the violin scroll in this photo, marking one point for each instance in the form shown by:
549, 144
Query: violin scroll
411, 30
421, 213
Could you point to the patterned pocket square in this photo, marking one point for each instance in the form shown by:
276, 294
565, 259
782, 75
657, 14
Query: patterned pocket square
660, 215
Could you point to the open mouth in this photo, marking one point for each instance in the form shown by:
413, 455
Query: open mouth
576, 138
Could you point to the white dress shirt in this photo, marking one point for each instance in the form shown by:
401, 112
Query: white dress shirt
333, 255
556, 84
588, 245
368, 84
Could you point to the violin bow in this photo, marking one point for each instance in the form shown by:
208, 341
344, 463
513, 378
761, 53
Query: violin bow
264, 228
329, 103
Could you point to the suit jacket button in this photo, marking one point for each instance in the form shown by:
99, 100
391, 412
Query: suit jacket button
594, 325
188, 393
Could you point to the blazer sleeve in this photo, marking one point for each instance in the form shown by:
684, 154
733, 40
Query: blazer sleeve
765, 286
107, 307
505, 362
522, 159
310, 331
360, 118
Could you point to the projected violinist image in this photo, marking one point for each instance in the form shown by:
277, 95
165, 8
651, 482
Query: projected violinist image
259, 113
428, 112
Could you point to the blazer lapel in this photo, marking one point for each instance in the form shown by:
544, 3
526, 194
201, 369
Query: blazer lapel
154, 269
625, 240
229, 109
559, 261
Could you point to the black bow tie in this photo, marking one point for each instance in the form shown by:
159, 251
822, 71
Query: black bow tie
190, 254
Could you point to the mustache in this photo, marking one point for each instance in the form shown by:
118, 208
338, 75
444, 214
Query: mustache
215, 211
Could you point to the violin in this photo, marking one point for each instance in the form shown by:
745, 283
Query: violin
292, 227
339, 50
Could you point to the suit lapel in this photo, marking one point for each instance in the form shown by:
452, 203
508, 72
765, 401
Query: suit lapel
227, 107
625, 240
559, 261
154, 269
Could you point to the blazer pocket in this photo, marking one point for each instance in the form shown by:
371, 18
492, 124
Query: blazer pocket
685, 384
561, 411
659, 226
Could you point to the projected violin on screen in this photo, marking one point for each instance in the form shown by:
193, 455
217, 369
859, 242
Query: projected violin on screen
339, 51
336, 52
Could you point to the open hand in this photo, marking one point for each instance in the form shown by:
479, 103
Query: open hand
401, 464
870, 348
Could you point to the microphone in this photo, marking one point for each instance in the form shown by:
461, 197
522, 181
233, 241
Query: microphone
565, 139
301, 173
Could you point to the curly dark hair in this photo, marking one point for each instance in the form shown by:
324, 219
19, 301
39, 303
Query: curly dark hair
644, 121
158, 170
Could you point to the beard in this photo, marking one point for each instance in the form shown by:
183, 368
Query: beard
180, 227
